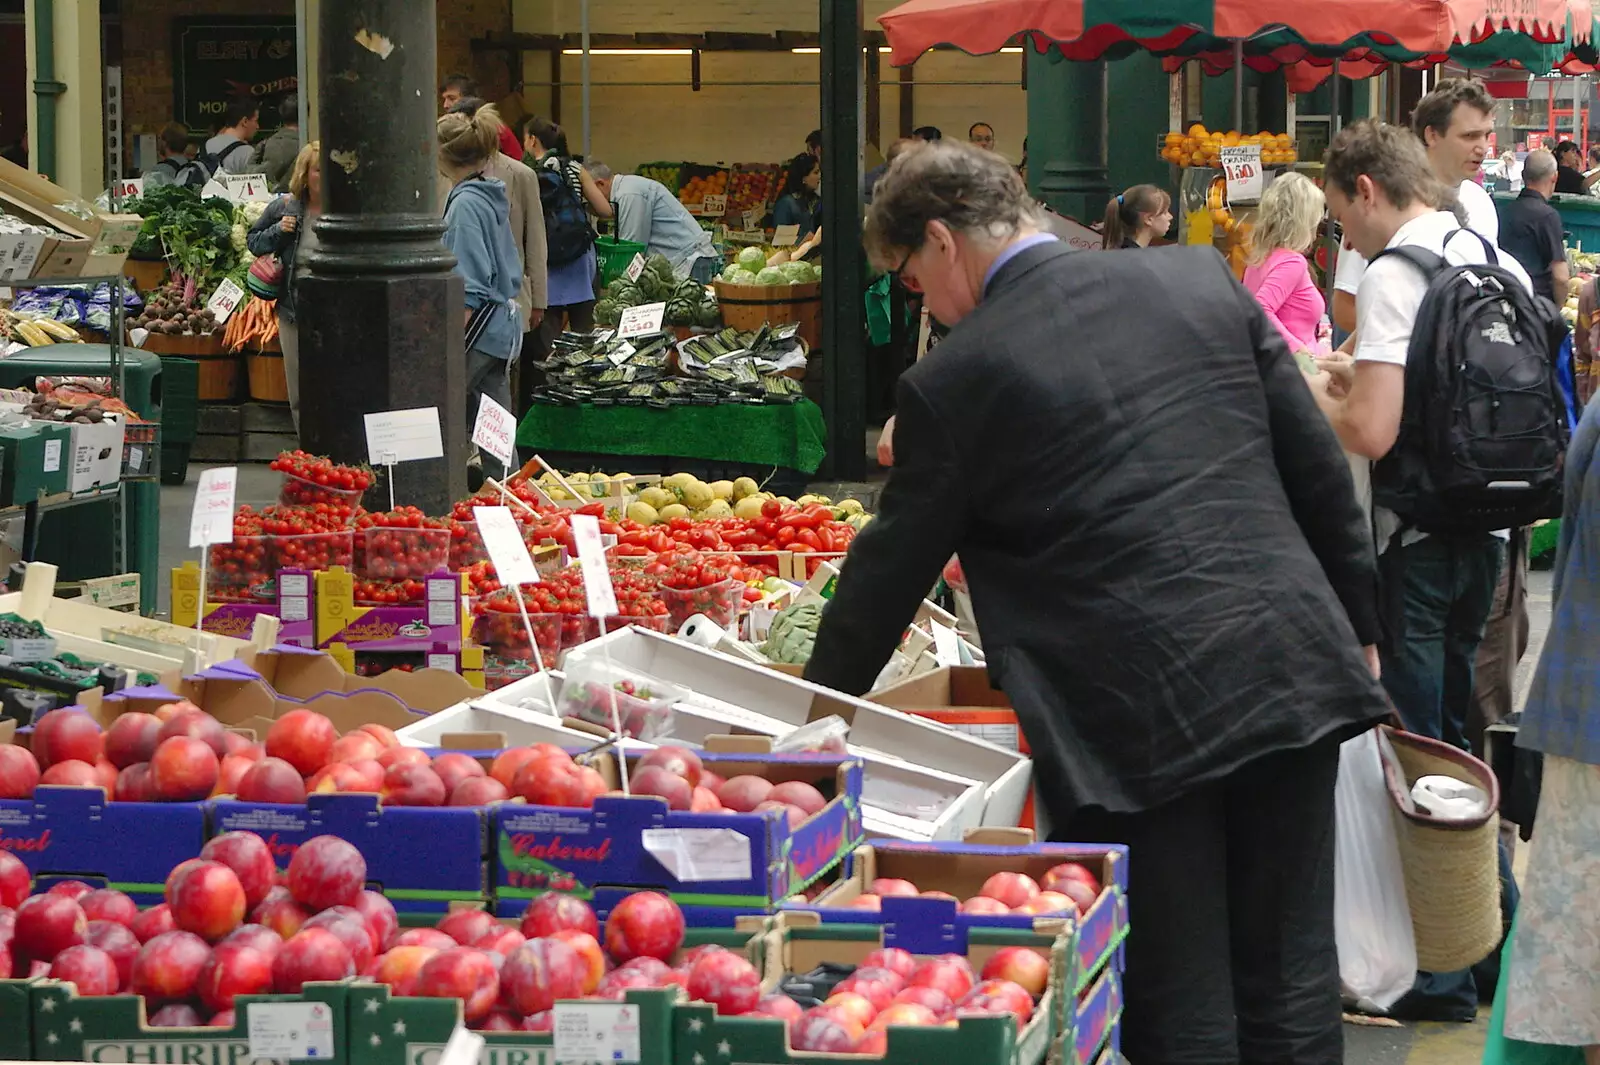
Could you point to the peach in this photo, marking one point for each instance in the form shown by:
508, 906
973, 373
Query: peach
183, 769
231, 773
799, 793
206, 898
195, 724
400, 967
223, 1019
348, 924
1021, 966
877, 986
793, 816
540, 1022
369, 776
248, 855
1069, 871
119, 943
553, 911
660, 782
1082, 894
822, 1033
454, 767
412, 785
945, 975
382, 733
904, 1013
73, 774
303, 738
132, 737
742, 794
588, 949
644, 924
900, 962
109, 904
616, 983
390, 757
280, 913
338, 776
311, 954
500, 1020
135, 784
1048, 902
873, 1043
540, 973
425, 937
1013, 889
67, 734
234, 969
984, 905
155, 921
711, 781
72, 889
679, 761
379, 913
90, 968
326, 871
999, 996
704, 801
468, 926
167, 711
727, 981
354, 746
272, 780
856, 1008
865, 901
478, 791
15, 880
508, 762
782, 1007
939, 895
462, 973
107, 774
929, 997
502, 941
241, 745
19, 772
258, 936
47, 925
176, 1015
168, 967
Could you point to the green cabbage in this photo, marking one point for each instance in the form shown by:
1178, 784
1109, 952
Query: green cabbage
797, 273
730, 270
771, 276
752, 259
743, 277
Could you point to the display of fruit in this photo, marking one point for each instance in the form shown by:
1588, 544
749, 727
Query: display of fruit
1068, 888
403, 544
311, 479
753, 188
1203, 148
666, 173
693, 188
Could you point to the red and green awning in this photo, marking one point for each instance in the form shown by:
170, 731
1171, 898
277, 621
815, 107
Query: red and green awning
1406, 31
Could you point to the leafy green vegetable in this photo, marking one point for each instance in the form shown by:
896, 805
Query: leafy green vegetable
194, 235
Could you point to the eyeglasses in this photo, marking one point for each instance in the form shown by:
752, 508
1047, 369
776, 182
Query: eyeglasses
899, 273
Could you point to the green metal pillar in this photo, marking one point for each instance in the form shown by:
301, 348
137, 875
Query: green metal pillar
1067, 134
844, 396
42, 138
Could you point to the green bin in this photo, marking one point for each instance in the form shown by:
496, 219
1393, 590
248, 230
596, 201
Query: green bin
615, 255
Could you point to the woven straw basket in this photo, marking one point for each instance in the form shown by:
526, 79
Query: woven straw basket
1452, 868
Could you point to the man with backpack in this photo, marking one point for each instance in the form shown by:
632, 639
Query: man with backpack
229, 151
175, 168
1453, 394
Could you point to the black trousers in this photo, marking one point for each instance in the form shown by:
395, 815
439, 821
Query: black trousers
1230, 954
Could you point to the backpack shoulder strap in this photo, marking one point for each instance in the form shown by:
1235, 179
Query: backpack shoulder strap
1429, 263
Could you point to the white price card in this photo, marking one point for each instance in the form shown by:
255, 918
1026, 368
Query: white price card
225, 300
946, 644
1241, 164
700, 854
19, 254
52, 456
596, 576
502, 538
752, 219
785, 236
642, 320
215, 188
464, 1048
286, 1031
31, 650
249, 188
495, 430
715, 205
635, 268
395, 436
128, 187
596, 1031
211, 521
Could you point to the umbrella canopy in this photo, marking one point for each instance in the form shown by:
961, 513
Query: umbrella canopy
1399, 30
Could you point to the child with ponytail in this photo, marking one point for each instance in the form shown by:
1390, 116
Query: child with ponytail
1136, 217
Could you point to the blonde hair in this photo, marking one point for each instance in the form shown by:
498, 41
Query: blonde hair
469, 140
1290, 211
300, 176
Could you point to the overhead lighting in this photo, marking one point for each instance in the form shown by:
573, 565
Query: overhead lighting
629, 51
1010, 51
817, 51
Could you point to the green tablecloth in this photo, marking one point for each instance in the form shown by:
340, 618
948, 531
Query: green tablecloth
791, 435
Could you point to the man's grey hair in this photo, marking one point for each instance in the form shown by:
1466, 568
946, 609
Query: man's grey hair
972, 191
597, 170
1539, 166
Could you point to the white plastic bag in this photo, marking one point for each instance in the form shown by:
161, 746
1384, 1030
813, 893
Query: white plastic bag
1371, 921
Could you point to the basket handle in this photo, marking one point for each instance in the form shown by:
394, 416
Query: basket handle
1394, 775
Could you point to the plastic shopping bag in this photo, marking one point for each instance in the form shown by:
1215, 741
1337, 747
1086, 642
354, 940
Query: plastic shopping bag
1498, 1050
1371, 921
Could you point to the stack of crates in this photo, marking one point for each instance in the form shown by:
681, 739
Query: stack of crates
180, 402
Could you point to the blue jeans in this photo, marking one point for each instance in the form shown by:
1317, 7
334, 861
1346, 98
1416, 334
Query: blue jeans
706, 269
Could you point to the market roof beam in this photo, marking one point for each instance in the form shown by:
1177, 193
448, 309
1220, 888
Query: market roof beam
711, 41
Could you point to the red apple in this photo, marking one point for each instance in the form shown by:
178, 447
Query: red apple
553, 912
461, 973
132, 738
942, 974
272, 780
280, 913
425, 937
644, 924
466, 927
877, 986
351, 930
401, 966
206, 898
135, 784
153, 922
727, 981
900, 962
234, 969
857, 1008
541, 972
47, 925
118, 942
379, 913
195, 724
183, 769
311, 954
588, 950
908, 1013
108, 904
782, 1007
90, 968
930, 997
821, 1033
1023, 967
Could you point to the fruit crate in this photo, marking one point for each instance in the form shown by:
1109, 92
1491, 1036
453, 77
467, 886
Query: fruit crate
960, 869
16, 1040
697, 181
797, 944
66, 833
434, 626
293, 606
667, 173
66, 1027
141, 451
1092, 1028
715, 866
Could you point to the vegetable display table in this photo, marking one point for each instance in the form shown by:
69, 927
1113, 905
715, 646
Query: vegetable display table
790, 436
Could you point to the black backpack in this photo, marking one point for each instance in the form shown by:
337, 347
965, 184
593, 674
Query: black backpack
213, 162
1483, 428
567, 235
188, 173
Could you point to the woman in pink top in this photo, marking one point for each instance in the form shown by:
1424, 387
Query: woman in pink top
1277, 273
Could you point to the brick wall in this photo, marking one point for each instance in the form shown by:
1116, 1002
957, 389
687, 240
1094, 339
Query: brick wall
460, 21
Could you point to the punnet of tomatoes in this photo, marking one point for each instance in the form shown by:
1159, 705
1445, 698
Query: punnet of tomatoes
694, 582
390, 593
244, 569
310, 479
310, 537
811, 529
402, 544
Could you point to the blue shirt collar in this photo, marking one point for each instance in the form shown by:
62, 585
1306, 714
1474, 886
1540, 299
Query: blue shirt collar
1013, 250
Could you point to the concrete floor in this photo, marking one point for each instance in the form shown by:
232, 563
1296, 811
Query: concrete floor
1418, 1044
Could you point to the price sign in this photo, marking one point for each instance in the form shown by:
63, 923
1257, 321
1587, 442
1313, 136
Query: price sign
635, 268
215, 188
592, 557
127, 188
225, 300
495, 430
752, 220
249, 188
396, 436
642, 320
1242, 165
211, 521
785, 236
715, 205
507, 550
596, 1031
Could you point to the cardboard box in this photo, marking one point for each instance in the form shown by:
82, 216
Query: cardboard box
305, 675
16, 1038
63, 259
295, 590
107, 236
960, 869
67, 1027
96, 456
895, 746
436, 626
1092, 1031
717, 866
37, 460
484, 728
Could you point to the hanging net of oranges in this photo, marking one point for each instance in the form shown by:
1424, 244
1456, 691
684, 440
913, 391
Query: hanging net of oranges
1202, 147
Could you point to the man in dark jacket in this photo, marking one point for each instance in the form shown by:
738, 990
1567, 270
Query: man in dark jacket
274, 156
1174, 582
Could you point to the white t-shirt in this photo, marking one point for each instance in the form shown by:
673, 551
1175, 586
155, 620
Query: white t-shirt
1481, 218
1391, 294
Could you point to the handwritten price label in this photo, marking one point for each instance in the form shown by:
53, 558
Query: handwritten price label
495, 430
635, 268
128, 188
715, 205
211, 521
642, 320
249, 188
225, 300
1242, 166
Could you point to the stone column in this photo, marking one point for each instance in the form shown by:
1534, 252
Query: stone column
1067, 134
381, 316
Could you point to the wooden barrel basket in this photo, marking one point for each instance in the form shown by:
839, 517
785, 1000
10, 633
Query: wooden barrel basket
220, 371
747, 307
268, 383
147, 275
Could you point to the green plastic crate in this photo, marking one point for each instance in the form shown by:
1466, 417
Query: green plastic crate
615, 255
180, 399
